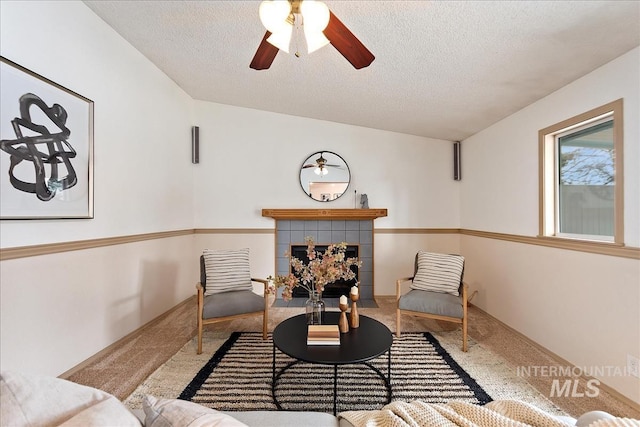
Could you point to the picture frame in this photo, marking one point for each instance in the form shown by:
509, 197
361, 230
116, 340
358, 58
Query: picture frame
46, 147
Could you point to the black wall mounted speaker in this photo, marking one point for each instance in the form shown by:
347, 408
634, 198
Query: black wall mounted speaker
195, 144
457, 161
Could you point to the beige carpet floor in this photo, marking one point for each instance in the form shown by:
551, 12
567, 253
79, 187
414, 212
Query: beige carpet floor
122, 369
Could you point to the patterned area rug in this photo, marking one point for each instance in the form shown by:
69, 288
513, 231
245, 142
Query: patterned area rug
239, 377
430, 367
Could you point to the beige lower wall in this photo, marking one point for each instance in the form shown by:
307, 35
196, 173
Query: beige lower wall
394, 255
583, 307
393, 252
261, 250
57, 310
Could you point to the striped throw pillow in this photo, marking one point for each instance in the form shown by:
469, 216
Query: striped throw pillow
438, 273
227, 270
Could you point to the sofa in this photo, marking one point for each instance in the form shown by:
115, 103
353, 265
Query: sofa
33, 400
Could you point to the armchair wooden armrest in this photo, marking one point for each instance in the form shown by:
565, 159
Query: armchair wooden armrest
399, 283
265, 283
200, 292
465, 292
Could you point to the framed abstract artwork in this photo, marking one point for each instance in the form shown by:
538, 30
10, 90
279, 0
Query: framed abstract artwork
46, 147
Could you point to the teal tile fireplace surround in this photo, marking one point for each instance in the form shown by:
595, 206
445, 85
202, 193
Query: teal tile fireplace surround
324, 232
327, 226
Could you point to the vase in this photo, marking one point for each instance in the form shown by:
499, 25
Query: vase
315, 308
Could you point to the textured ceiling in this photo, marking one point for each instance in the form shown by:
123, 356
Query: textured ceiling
443, 69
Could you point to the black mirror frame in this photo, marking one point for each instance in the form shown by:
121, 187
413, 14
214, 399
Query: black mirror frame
311, 157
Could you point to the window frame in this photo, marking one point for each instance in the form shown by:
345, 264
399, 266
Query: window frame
549, 179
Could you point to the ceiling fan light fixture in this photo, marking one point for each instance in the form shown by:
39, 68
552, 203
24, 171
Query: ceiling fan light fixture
282, 38
315, 15
322, 171
315, 18
315, 40
274, 14
321, 27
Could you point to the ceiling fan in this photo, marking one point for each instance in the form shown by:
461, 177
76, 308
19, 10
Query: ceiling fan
335, 33
320, 166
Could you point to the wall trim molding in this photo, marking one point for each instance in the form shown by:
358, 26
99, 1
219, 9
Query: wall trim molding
416, 231
54, 248
599, 248
609, 249
234, 231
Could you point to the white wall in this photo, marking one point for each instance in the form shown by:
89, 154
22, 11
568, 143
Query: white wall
500, 164
58, 310
250, 160
142, 122
584, 307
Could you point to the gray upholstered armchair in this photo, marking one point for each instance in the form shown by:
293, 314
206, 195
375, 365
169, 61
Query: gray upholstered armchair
437, 291
225, 291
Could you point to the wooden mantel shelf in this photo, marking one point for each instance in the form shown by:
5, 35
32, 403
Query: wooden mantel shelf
311, 214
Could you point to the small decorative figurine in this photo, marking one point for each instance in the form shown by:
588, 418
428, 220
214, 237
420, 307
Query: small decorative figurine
355, 317
343, 325
364, 201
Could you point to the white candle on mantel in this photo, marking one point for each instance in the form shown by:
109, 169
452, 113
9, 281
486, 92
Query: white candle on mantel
354, 290
343, 300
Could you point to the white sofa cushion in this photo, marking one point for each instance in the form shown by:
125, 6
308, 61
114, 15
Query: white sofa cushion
181, 413
31, 400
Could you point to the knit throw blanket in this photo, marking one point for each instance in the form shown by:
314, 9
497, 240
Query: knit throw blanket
500, 413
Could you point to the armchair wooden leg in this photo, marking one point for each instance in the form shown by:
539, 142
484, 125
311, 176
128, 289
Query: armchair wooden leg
464, 334
398, 322
199, 335
265, 321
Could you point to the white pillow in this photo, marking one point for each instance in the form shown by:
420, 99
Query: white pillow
227, 270
181, 413
438, 273
30, 400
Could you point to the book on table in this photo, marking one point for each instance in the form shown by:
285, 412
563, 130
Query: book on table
323, 335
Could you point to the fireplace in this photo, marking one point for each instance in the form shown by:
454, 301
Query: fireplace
335, 289
325, 226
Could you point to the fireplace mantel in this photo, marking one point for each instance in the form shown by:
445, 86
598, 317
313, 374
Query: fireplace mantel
327, 214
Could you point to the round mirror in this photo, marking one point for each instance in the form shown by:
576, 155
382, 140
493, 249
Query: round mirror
324, 176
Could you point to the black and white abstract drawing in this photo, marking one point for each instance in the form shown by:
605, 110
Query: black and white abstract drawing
46, 148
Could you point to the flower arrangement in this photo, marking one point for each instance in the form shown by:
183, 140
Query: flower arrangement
323, 268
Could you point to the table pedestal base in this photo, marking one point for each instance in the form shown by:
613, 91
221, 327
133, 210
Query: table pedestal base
276, 376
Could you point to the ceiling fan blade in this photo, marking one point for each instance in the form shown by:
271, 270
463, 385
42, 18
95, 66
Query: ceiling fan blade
265, 54
347, 44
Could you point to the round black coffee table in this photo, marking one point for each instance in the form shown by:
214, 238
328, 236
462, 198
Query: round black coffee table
359, 345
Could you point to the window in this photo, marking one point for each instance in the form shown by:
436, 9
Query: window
581, 176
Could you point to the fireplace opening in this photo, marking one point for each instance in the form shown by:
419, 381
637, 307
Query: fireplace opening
335, 289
